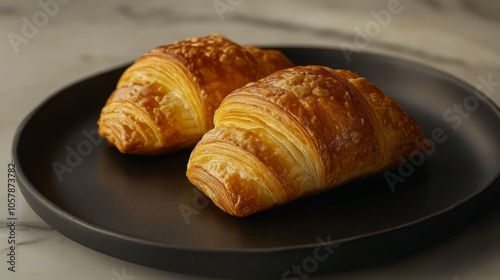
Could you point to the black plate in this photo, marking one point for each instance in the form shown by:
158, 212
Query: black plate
143, 209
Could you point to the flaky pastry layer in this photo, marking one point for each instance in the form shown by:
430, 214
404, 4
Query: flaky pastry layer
166, 99
298, 132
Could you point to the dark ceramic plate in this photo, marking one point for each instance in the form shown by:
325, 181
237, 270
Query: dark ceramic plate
144, 210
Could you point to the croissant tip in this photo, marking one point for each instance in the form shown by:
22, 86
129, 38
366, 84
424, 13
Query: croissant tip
239, 204
119, 136
211, 187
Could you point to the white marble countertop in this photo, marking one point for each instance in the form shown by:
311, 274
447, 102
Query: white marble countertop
69, 40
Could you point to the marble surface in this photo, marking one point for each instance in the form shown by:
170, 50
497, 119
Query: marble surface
74, 39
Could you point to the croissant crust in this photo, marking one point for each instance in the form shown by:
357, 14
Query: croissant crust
298, 132
166, 99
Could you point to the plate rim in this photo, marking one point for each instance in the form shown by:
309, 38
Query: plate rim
32, 194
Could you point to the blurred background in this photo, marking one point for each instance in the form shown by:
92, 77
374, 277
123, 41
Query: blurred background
48, 44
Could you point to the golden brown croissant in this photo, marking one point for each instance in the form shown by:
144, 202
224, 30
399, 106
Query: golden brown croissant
297, 132
166, 99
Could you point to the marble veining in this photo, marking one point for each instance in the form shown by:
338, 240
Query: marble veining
482, 9
30, 232
8, 11
79, 38
163, 14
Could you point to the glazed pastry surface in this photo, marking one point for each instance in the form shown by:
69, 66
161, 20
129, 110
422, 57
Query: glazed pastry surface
166, 99
297, 132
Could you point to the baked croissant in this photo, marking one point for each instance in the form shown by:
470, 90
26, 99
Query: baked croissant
166, 99
298, 132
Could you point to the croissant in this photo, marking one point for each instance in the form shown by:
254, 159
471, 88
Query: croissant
166, 99
295, 133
